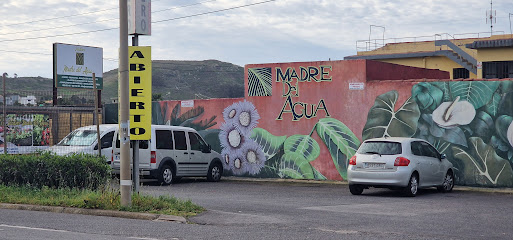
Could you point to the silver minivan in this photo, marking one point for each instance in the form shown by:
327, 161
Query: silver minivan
174, 152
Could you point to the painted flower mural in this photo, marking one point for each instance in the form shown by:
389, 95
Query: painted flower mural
252, 151
240, 153
469, 121
452, 114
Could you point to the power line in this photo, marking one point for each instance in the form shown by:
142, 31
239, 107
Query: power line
68, 16
165, 20
216, 11
105, 20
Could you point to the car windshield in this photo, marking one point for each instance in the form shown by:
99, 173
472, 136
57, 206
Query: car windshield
381, 148
79, 138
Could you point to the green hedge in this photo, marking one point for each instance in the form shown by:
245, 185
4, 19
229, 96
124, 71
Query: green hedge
47, 169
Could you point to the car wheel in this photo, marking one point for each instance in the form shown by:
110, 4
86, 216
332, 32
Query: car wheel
166, 175
448, 183
413, 186
356, 189
214, 172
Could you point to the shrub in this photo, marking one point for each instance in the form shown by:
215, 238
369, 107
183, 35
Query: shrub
81, 171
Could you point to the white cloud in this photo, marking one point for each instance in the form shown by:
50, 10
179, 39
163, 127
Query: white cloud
279, 31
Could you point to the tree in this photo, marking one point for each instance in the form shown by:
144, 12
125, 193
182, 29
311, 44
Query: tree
156, 97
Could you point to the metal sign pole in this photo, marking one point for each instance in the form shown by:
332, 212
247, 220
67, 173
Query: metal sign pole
135, 154
96, 115
5, 119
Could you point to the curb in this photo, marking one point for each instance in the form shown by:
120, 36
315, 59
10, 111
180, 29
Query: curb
306, 181
95, 212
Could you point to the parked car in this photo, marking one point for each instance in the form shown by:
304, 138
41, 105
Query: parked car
85, 140
399, 163
174, 152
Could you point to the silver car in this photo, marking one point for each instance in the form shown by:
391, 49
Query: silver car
399, 163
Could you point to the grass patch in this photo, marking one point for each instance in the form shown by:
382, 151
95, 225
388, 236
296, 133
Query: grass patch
106, 199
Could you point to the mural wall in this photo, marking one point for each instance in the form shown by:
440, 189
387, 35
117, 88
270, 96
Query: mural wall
306, 120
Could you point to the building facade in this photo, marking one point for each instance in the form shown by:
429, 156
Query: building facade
475, 58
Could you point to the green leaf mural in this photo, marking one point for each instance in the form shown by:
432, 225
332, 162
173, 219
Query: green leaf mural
478, 93
501, 126
427, 96
260, 82
444, 87
340, 140
270, 144
296, 167
384, 121
303, 146
483, 166
492, 107
482, 125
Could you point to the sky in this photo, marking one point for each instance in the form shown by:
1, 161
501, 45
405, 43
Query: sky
236, 31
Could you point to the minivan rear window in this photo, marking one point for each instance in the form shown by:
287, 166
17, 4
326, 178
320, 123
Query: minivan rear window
380, 147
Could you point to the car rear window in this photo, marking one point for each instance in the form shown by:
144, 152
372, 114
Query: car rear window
380, 147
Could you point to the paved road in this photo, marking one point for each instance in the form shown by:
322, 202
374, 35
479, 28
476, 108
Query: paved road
266, 210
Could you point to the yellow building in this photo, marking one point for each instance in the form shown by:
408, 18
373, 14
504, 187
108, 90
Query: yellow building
476, 58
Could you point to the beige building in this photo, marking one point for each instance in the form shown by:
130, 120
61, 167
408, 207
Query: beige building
476, 58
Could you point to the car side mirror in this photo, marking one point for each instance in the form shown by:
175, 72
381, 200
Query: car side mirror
207, 149
443, 156
96, 147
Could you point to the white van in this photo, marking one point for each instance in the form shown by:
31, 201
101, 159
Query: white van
85, 140
174, 152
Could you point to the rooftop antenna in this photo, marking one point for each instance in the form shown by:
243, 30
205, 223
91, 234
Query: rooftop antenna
491, 15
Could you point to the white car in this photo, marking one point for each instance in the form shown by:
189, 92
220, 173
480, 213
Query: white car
85, 140
399, 163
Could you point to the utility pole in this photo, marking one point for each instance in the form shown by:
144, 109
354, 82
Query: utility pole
125, 178
5, 119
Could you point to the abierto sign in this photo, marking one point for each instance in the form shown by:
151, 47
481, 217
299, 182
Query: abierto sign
139, 60
74, 66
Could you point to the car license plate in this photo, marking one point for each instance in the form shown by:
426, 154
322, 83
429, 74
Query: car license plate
375, 165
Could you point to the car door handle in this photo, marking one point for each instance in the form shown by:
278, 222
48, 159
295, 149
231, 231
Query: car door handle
192, 153
185, 153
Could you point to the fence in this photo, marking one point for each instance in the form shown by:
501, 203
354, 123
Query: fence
33, 124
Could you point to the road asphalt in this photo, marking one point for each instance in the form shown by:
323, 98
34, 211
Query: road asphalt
162, 217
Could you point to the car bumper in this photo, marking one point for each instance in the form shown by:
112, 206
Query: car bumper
399, 177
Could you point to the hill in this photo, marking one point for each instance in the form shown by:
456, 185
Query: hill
181, 80
174, 80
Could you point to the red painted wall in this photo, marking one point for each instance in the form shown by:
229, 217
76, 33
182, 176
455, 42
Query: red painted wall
350, 106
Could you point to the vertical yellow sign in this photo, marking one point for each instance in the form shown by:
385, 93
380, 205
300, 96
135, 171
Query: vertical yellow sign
140, 92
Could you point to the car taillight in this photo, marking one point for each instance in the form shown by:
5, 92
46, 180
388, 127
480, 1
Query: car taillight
352, 161
112, 156
153, 157
401, 161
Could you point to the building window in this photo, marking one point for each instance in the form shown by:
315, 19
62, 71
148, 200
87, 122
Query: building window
460, 73
503, 69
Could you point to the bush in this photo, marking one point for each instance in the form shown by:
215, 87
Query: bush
81, 171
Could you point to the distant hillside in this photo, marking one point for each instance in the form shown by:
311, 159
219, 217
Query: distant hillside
181, 80
175, 80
